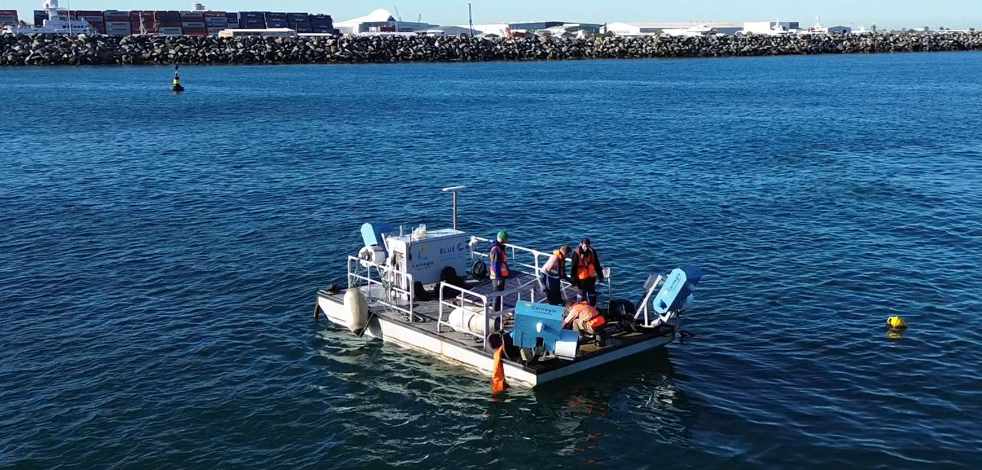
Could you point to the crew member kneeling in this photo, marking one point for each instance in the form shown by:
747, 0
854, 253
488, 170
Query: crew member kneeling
585, 318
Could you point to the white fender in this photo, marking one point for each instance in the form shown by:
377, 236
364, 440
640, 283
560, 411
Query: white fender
355, 310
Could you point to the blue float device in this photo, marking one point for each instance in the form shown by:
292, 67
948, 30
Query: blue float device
372, 233
678, 286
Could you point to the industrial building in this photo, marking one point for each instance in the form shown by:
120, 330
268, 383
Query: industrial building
670, 28
554, 28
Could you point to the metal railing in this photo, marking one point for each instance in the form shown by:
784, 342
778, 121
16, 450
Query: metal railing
485, 300
386, 283
464, 298
536, 267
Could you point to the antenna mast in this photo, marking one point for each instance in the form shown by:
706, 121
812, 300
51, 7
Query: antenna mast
470, 21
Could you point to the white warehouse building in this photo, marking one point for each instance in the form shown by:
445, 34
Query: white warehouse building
670, 28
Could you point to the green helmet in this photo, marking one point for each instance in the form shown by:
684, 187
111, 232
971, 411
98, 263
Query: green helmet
502, 235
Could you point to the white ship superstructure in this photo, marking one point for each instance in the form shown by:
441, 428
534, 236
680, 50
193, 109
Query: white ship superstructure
59, 22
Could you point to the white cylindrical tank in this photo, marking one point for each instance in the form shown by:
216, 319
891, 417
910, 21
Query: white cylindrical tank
355, 310
468, 319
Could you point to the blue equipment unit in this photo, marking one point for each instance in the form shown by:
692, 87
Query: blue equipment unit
372, 233
677, 288
528, 317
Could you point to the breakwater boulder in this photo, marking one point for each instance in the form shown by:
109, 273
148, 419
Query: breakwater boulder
50, 49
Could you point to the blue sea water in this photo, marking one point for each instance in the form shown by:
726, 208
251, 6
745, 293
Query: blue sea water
159, 257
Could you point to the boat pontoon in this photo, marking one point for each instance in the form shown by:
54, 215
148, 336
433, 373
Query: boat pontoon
427, 290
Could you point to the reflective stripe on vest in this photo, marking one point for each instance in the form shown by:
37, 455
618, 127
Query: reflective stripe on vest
586, 269
589, 315
503, 260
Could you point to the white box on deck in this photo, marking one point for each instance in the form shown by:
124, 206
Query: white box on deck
425, 259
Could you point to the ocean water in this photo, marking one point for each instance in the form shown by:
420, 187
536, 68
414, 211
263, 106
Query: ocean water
160, 254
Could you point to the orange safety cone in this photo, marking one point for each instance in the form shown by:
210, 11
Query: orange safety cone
498, 372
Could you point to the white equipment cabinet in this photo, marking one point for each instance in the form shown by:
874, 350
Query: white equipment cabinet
426, 257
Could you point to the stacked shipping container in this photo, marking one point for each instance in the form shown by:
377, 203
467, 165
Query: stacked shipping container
144, 18
215, 22
168, 23
322, 24
8, 17
252, 20
118, 23
193, 23
299, 22
276, 20
39, 17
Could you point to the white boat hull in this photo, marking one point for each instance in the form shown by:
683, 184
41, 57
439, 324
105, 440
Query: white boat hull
400, 333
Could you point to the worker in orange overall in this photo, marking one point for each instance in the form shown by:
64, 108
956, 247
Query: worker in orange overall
584, 318
586, 271
499, 268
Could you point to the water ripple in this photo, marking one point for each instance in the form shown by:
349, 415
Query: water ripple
158, 260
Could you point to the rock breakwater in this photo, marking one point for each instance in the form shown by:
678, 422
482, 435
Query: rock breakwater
157, 50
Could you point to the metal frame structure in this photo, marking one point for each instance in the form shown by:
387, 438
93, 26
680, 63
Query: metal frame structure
386, 282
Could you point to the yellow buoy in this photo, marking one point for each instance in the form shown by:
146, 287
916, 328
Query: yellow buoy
896, 322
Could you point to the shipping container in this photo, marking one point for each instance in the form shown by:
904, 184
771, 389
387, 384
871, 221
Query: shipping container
98, 27
213, 20
118, 28
215, 31
192, 15
275, 19
322, 23
115, 15
39, 17
196, 33
9, 17
166, 14
214, 14
169, 31
144, 17
301, 26
193, 24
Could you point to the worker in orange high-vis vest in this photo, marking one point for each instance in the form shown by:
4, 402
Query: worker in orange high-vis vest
499, 267
555, 271
585, 318
586, 271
